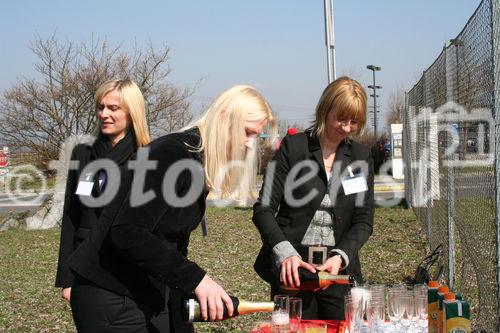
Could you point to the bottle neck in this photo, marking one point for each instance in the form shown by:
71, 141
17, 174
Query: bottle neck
250, 307
327, 279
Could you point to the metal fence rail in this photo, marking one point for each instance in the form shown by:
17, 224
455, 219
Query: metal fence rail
451, 161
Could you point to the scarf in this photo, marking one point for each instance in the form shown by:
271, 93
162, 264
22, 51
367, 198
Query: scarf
120, 153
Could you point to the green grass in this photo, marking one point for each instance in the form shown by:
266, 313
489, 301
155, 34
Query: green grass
30, 303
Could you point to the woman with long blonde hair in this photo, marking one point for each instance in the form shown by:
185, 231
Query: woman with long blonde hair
236, 115
143, 254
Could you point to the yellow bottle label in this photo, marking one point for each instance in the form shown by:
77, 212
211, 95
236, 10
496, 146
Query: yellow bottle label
458, 325
456, 317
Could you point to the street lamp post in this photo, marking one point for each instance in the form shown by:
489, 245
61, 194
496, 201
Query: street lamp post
330, 40
374, 87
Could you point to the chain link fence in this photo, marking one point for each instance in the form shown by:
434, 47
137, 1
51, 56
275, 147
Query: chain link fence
450, 125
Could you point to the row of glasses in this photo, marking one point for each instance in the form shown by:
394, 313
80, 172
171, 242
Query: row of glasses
407, 308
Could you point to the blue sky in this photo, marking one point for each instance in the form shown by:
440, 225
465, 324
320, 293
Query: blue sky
276, 45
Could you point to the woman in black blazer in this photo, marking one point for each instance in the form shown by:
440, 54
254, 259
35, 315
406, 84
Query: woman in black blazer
315, 209
137, 256
122, 128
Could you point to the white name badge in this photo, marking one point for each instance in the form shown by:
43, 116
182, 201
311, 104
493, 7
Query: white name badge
84, 188
354, 184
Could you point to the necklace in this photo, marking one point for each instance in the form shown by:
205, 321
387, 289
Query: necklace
329, 162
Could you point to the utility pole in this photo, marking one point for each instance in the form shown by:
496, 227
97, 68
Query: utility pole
330, 40
374, 68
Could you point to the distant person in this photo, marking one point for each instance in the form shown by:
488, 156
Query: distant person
292, 131
136, 261
122, 127
327, 230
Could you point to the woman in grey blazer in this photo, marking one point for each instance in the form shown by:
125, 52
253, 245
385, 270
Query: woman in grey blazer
315, 209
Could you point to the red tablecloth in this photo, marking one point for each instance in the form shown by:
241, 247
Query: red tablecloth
334, 326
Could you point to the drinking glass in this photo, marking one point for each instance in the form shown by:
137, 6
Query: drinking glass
361, 295
353, 313
281, 318
375, 314
348, 312
295, 314
394, 306
407, 311
421, 312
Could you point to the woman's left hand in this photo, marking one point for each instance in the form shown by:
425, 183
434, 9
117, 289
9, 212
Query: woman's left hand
332, 265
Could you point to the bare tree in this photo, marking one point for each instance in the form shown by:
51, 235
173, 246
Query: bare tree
38, 115
396, 107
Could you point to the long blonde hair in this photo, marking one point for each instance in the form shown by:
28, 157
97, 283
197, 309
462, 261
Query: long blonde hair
346, 98
132, 101
222, 128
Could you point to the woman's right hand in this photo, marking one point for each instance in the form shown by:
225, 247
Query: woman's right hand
289, 275
211, 297
66, 293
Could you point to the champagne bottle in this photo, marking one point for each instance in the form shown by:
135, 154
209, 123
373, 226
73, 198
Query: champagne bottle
313, 281
191, 311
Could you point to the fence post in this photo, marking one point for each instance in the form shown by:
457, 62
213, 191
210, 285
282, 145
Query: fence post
427, 161
450, 179
495, 33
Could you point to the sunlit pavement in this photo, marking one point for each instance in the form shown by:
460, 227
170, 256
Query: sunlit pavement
386, 189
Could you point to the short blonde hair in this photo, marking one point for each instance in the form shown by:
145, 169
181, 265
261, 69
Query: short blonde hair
132, 101
346, 98
222, 127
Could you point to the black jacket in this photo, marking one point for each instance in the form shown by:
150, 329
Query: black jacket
141, 251
278, 221
77, 218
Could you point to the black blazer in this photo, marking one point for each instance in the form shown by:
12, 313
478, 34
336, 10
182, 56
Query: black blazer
77, 218
141, 251
278, 221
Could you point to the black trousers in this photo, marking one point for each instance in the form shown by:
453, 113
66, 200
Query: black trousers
325, 304
97, 310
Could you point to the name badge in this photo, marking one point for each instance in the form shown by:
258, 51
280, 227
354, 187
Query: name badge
85, 186
354, 183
